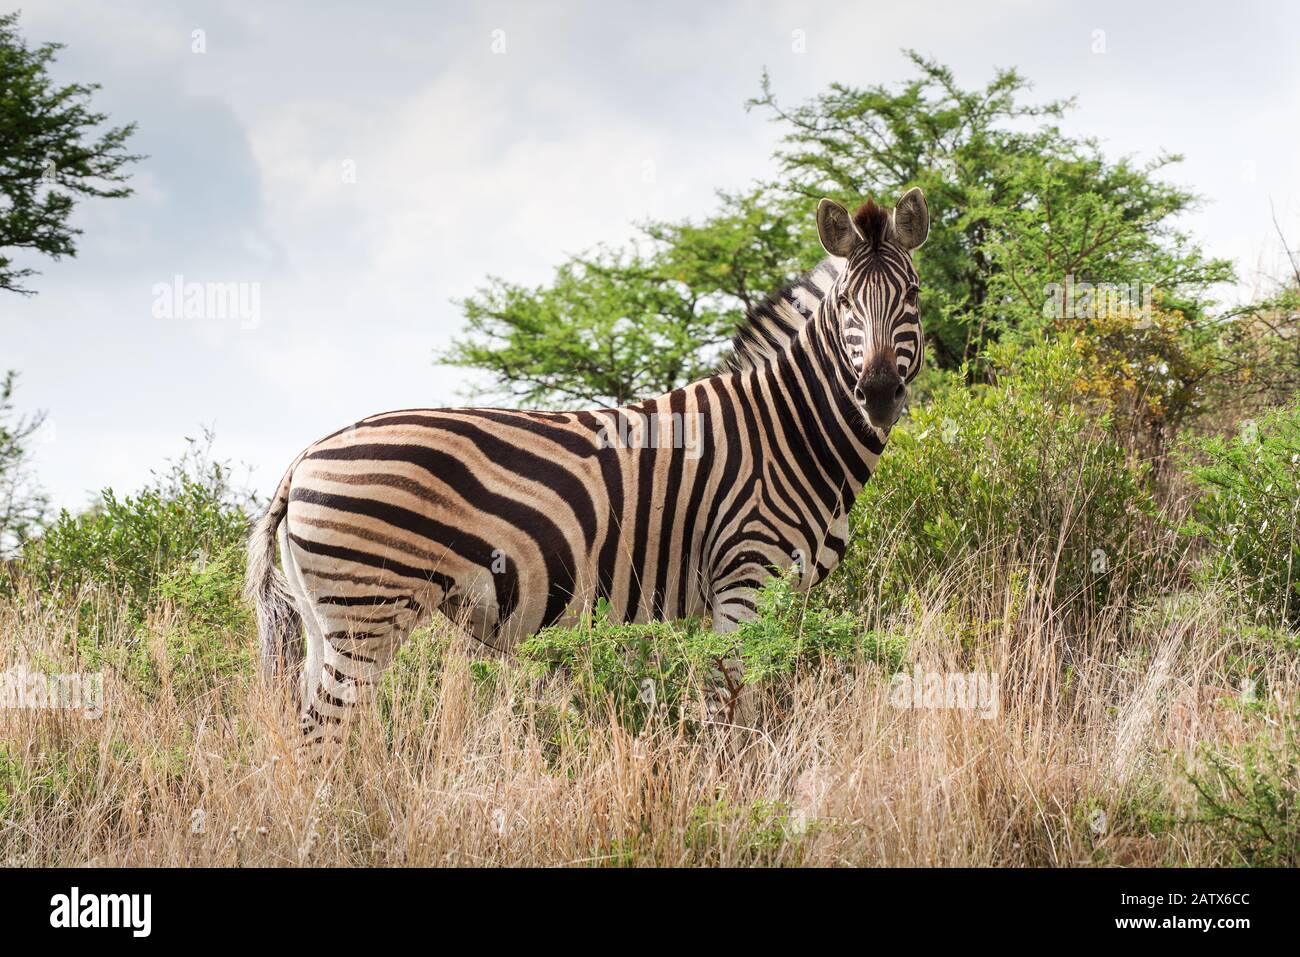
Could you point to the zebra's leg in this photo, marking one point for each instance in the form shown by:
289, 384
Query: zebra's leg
723, 699
311, 621
357, 652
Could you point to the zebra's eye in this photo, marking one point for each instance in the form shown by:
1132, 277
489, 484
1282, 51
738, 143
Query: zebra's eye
844, 303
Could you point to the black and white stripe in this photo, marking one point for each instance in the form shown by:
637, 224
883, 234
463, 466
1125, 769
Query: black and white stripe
678, 506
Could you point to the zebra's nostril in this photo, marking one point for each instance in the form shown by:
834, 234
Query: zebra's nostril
899, 392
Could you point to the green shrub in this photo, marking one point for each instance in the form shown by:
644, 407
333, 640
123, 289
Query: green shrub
1250, 799
1139, 810
413, 684
794, 630
152, 581
131, 545
761, 834
52, 780
658, 668
192, 636
1023, 463
638, 670
1248, 512
207, 628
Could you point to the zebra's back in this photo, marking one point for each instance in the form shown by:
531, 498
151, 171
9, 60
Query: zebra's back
512, 520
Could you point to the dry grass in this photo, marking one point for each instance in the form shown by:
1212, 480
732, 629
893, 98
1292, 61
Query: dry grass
1081, 764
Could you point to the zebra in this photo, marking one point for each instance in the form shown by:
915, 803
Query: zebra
508, 521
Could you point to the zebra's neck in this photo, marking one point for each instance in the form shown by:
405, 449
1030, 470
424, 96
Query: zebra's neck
770, 326
808, 386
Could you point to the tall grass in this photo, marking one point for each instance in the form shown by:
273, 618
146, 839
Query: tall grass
1112, 726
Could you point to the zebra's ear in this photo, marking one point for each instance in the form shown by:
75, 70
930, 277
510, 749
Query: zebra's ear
912, 219
835, 229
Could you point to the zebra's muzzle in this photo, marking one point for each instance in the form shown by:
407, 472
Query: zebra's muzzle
880, 391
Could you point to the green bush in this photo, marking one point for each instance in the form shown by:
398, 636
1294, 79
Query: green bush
413, 684
793, 630
1248, 512
206, 632
638, 670
152, 580
761, 834
1250, 799
1023, 464
185, 518
191, 634
658, 668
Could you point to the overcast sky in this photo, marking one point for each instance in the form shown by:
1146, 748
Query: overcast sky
470, 161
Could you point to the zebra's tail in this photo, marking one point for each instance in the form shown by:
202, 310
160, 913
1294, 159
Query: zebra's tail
279, 627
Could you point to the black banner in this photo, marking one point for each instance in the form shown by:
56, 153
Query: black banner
370, 905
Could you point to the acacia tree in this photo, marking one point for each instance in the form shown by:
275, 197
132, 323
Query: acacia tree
621, 324
52, 152
1015, 205
606, 330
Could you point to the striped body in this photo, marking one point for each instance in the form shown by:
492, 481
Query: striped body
508, 521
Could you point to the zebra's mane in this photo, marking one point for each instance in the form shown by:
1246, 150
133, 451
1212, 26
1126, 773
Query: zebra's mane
769, 327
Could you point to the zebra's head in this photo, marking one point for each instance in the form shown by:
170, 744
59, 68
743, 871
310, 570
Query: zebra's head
873, 301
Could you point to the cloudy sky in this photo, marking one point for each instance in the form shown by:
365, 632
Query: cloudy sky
365, 164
